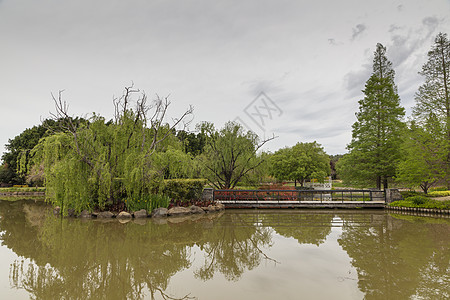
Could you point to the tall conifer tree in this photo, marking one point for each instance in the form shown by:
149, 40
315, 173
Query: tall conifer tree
376, 136
433, 97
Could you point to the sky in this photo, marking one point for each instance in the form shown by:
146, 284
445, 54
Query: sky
290, 69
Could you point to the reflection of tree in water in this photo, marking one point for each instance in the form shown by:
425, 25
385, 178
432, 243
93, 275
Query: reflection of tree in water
391, 264
306, 228
233, 246
75, 259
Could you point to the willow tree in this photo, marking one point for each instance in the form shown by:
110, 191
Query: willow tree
103, 163
376, 136
433, 96
230, 154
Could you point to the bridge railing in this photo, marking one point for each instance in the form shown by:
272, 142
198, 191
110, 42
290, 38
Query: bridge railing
276, 196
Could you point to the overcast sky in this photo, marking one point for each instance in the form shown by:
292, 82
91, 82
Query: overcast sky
290, 68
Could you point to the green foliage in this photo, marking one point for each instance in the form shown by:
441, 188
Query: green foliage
436, 204
175, 163
439, 194
6, 174
101, 163
423, 163
417, 200
407, 194
376, 135
148, 202
192, 143
433, 97
300, 162
16, 158
183, 189
230, 154
438, 188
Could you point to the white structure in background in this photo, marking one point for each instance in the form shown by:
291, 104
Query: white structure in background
315, 184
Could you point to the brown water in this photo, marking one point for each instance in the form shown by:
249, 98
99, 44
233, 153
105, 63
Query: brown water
252, 254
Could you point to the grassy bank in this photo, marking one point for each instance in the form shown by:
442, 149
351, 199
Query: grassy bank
22, 189
422, 202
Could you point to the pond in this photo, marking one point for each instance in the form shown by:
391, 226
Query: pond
236, 254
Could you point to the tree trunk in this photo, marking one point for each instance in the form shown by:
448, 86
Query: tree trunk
295, 182
378, 182
385, 183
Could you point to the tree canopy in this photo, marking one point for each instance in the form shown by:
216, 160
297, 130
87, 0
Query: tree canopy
423, 163
433, 97
103, 163
230, 154
300, 162
376, 135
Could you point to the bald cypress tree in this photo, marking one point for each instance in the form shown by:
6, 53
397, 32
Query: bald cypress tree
376, 136
433, 97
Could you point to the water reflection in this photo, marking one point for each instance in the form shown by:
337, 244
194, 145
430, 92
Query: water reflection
400, 257
395, 257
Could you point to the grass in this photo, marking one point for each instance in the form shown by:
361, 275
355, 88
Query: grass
430, 203
16, 198
439, 194
22, 189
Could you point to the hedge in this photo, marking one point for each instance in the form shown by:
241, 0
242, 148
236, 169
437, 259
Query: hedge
183, 189
439, 194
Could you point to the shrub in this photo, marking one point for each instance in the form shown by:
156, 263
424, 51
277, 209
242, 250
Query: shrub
439, 188
407, 194
183, 189
417, 200
148, 202
439, 193
436, 204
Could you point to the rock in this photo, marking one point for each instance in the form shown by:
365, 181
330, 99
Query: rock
220, 206
140, 221
140, 213
159, 212
105, 214
196, 210
178, 211
57, 210
160, 221
179, 219
211, 208
85, 214
124, 220
124, 215
71, 212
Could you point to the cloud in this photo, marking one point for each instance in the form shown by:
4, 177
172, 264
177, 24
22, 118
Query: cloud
355, 80
404, 46
333, 42
431, 23
358, 30
394, 28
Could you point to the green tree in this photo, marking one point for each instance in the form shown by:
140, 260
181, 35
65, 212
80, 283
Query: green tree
434, 95
300, 162
100, 163
230, 154
16, 157
192, 143
424, 158
376, 135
